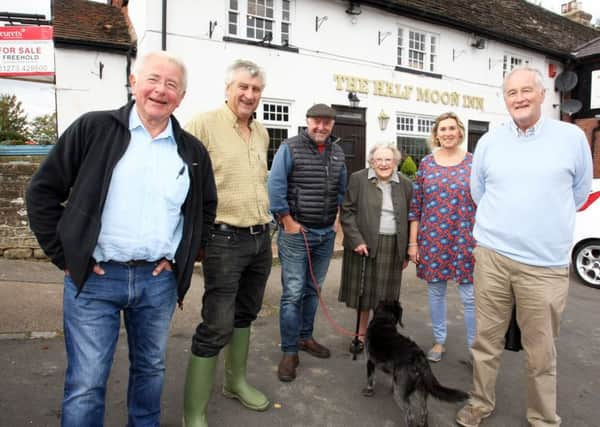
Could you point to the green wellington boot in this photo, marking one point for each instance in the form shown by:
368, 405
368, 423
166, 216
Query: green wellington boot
198, 387
235, 385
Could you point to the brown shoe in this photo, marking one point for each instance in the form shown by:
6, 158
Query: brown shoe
314, 348
471, 416
287, 367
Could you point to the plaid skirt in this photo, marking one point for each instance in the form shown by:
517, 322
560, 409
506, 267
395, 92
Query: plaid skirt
383, 275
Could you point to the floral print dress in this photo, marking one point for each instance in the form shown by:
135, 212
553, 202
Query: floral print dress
443, 206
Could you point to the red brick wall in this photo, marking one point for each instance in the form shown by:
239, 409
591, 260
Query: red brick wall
588, 125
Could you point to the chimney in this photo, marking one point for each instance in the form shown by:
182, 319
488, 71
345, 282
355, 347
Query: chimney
122, 4
572, 10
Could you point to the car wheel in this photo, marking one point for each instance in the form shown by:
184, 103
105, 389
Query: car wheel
586, 261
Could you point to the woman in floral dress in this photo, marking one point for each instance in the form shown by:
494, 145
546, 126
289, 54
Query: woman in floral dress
441, 223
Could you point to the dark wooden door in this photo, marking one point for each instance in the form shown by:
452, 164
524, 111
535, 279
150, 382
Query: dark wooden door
476, 131
350, 127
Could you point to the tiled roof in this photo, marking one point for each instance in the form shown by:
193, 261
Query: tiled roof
87, 23
591, 48
517, 22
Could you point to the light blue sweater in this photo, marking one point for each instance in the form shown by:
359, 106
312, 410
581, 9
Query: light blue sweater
527, 190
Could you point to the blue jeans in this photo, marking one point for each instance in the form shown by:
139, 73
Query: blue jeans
236, 268
92, 322
437, 308
299, 300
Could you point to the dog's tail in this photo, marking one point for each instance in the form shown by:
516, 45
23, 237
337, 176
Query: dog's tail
437, 390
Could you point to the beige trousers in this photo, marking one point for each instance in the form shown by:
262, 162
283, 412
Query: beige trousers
540, 294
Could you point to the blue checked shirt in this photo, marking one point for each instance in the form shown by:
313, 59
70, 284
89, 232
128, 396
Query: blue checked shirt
142, 218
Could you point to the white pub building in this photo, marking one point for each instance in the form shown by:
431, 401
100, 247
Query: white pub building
387, 67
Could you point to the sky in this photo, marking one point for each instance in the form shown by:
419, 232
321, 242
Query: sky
39, 98
43, 6
590, 6
26, 6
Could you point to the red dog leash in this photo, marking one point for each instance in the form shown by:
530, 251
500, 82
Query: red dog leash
332, 322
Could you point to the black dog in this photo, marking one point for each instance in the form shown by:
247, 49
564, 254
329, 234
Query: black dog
401, 357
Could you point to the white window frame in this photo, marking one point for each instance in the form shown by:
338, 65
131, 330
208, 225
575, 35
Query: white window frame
268, 122
233, 17
511, 61
239, 18
417, 49
284, 122
286, 22
408, 124
416, 126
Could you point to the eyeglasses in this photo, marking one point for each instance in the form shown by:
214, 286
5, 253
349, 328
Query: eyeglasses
382, 161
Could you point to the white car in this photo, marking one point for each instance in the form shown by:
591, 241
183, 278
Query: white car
586, 239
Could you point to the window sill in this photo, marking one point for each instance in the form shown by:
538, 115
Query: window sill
268, 45
25, 150
419, 72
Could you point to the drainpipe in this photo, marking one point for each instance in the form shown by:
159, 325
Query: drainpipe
164, 25
128, 73
129, 55
595, 137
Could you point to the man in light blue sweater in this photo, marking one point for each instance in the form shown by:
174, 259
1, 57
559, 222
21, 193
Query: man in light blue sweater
528, 179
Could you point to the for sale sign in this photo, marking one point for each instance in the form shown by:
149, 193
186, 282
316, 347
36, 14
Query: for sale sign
26, 51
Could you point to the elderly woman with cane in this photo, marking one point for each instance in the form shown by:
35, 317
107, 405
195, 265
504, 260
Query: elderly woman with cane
375, 224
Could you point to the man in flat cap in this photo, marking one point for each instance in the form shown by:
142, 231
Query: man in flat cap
306, 184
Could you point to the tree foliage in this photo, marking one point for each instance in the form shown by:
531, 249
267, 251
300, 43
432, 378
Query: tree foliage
409, 167
43, 129
13, 121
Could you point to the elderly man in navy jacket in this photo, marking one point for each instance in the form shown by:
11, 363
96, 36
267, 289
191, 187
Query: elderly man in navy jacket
141, 196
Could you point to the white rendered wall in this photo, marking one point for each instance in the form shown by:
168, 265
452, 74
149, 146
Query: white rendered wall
80, 89
339, 47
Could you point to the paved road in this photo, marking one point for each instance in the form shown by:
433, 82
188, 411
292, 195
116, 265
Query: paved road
326, 392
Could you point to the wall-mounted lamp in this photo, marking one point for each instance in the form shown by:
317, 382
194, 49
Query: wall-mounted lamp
383, 120
381, 36
319, 22
478, 42
354, 100
211, 28
354, 9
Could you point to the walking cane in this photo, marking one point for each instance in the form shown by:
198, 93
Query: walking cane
355, 346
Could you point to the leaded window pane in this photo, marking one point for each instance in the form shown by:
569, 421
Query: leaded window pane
276, 137
233, 23
415, 147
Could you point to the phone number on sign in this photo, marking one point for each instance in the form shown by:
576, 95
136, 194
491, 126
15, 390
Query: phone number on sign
23, 68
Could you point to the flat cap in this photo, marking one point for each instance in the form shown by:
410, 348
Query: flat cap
321, 110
